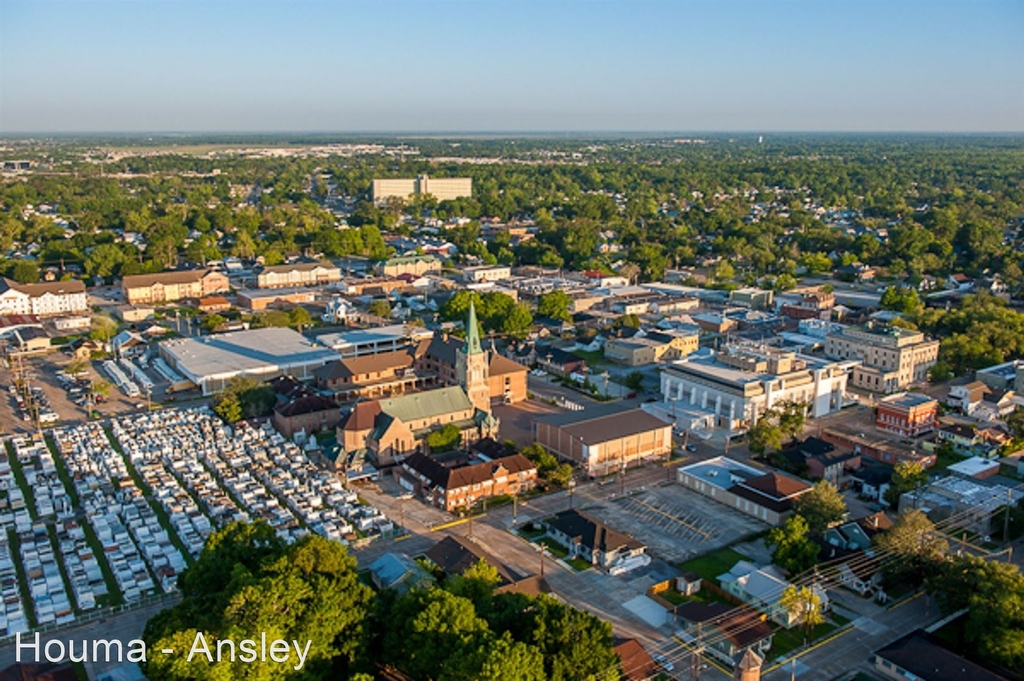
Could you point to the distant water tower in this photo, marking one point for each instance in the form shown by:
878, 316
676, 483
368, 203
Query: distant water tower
760, 139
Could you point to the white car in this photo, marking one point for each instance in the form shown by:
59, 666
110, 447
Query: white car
663, 662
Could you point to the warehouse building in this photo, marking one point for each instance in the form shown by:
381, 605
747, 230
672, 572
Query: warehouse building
211, 361
605, 439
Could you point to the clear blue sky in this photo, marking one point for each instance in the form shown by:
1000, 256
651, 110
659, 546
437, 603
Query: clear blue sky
252, 65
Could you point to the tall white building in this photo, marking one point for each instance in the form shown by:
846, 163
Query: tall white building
45, 299
737, 385
441, 188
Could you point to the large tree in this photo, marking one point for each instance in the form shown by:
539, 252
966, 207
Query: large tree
555, 304
792, 548
906, 477
247, 583
822, 506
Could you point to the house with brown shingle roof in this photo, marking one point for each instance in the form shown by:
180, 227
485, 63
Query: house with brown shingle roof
592, 540
455, 487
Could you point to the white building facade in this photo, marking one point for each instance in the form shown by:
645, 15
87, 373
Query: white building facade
738, 385
44, 299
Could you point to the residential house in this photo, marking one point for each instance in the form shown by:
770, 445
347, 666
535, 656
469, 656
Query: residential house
452, 488
588, 538
557, 361
966, 397
763, 589
298, 274
996, 405
165, 287
924, 657
399, 572
871, 482
604, 439
636, 663
453, 555
129, 344
963, 437
960, 282
728, 632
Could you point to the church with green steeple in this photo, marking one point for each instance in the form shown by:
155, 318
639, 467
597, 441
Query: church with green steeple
390, 429
471, 362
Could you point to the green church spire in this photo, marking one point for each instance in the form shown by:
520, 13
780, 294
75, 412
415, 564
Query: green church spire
472, 333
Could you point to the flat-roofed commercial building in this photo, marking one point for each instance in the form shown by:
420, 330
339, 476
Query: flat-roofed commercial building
359, 342
907, 414
604, 439
740, 383
441, 188
299, 274
211, 361
767, 496
166, 287
261, 299
892, 358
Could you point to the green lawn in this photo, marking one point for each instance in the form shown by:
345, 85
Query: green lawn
787, 640
710, 565
944, 461
579, 564
553, 547
531, 534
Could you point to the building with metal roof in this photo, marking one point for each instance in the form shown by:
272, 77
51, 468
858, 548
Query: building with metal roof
211, 361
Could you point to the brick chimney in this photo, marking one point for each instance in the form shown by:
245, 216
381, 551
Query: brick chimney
749, 668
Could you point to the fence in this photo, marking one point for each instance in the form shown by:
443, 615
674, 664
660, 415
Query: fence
101, 614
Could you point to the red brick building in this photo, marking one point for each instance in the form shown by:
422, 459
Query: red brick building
907, 414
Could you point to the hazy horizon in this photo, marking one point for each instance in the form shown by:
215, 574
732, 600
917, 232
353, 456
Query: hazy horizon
467, 68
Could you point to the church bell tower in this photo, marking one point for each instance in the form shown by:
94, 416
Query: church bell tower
471, 366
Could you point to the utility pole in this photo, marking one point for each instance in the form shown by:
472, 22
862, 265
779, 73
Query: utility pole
1006, 516
515, 509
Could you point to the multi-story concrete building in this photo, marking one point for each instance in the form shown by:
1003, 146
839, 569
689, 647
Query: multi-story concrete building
891, 357
441, 188
740, 383
44, 299
907, 414
298, 274
166, 287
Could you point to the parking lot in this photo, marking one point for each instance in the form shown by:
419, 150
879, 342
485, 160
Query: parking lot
66, 400
674, 522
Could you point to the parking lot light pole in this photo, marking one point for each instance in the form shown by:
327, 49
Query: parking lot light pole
572, 488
